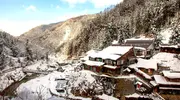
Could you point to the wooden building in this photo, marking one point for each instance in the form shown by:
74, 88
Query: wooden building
110, 60
172, 76
170, 48
147, 66
93, 66
143, 47
166, 85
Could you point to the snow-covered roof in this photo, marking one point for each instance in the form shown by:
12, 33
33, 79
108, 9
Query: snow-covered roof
142, 73
153, 83
120, 50
171, 75
140, 38
106, 56
111, 67
140, 48
161, 80
55, 98
106, 97
134, 95
115, 42
169, 88
92, 52
147, 64
93, 63
168, 59
139, 42
111, 52
169, 46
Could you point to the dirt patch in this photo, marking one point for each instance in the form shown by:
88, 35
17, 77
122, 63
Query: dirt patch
170, 96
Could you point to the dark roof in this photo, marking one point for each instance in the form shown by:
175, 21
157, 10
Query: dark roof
137, 43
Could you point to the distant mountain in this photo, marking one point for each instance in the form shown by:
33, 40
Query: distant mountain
129, 18
54, 37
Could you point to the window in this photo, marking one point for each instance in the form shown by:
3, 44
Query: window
114, 63
91, 68
85, 67
122, 62
94, 68
91, 59
99, 59
60, 91
108, 62
118, 62
149, 52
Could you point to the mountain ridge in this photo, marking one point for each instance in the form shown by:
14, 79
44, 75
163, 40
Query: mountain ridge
77, 35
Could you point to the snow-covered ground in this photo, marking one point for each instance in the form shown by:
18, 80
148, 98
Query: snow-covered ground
44, 86
11, 74
8, 78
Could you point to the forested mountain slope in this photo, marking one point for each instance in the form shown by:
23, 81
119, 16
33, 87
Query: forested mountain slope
129, 18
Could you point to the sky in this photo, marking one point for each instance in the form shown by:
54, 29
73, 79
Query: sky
19, 16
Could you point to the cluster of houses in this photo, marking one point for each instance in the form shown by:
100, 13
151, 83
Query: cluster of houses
135, 56
115, 58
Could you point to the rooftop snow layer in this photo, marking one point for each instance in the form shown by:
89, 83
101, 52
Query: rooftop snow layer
112, 52
106, 56
135, 95
169, 46
140, 38
106, 97
171, 75
140, 48
111, 67
168, 59
147, 64
142, 73
161, 80
93, 63
119, 50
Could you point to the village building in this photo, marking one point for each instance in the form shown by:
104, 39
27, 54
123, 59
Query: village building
87, 54
93, 65
170, 48
110, 60
147, 66
168, 83
167, 61
143, 47
172, 76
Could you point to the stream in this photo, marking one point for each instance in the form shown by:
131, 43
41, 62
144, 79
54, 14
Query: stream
10, 90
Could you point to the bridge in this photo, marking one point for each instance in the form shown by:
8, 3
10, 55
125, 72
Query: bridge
36, 71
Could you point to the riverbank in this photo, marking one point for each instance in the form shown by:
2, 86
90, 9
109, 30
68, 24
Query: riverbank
10, 90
